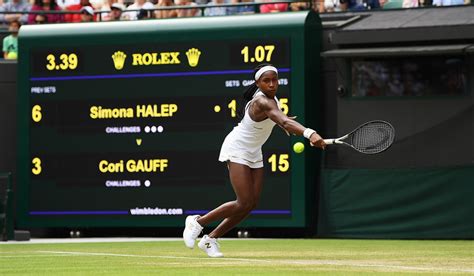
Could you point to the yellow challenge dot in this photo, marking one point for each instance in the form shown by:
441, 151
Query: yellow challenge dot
217, 108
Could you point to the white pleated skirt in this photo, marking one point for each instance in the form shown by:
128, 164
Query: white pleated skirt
233, 151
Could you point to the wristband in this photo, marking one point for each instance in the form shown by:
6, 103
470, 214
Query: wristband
308, 132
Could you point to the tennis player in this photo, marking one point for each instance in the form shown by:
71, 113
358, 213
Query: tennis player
242, 151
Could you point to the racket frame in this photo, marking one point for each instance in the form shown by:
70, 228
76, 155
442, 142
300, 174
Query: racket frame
340, 142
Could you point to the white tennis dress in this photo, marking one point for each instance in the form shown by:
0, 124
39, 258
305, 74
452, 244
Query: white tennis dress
244, 143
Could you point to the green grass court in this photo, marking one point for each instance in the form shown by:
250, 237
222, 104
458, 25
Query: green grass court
244, 256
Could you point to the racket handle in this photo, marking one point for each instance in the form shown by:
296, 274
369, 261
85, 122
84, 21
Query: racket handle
329, 141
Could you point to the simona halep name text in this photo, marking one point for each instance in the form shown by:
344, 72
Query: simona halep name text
140, 111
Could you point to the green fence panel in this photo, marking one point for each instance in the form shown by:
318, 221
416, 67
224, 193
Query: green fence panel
6, 208
434, 203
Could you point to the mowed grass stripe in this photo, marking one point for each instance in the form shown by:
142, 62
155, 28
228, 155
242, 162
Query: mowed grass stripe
274, 261
343, 257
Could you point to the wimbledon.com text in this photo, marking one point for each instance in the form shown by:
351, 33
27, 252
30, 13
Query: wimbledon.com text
147, 211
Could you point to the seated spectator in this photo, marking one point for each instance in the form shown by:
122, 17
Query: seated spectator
15, 6
165, 13
318, 5
247, 9
299, 6
41, 19
407, 3
87, 14
45, 5
335, 5
448, 2
66, 3
216, 11
97, 5
146, 12
115, 12
359, 5
273, 7
106, 9
187, 12
10, 43
133, 10
75, 17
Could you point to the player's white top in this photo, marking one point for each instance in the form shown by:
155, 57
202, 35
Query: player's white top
244, 143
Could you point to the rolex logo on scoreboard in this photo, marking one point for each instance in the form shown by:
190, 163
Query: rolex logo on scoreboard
119, 59
154, 58
193, 56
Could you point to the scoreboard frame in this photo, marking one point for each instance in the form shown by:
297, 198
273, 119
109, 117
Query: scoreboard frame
301, 30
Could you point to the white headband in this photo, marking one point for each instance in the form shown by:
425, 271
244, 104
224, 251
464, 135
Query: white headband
263, 70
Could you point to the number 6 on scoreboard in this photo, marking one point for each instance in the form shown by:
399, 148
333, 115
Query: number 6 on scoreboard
36, 113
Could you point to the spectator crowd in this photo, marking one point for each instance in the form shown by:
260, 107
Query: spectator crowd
14, 13
48, 11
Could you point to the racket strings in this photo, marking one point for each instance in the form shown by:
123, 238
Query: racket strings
373, 137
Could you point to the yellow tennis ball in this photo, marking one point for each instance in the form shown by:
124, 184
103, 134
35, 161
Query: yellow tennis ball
12, 55
298, 147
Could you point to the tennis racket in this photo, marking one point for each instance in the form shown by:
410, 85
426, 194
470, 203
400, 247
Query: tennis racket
369, 138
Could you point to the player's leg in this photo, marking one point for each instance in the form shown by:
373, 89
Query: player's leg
209, 243
257, 176
241, 179
227, 224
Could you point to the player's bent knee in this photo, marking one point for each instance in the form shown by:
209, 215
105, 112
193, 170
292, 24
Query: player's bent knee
245, 207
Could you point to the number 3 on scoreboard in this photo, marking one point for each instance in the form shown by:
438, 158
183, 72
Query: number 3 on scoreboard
36, 170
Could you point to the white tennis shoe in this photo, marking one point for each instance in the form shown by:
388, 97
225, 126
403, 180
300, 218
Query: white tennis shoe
210, 246
192, 230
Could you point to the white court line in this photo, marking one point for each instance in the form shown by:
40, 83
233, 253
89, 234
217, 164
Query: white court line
102, 240
30, 256
89, 240
145, 256
287, 262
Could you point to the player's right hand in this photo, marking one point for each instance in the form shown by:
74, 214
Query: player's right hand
316, 141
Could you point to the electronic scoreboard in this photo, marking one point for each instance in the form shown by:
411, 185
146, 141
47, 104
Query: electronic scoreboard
121, 123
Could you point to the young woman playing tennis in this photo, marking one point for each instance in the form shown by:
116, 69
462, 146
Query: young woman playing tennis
242, 150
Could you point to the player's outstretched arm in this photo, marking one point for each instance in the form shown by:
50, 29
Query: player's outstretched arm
290, 125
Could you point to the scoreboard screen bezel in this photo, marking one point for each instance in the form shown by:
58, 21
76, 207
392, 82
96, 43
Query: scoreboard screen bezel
33, 72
